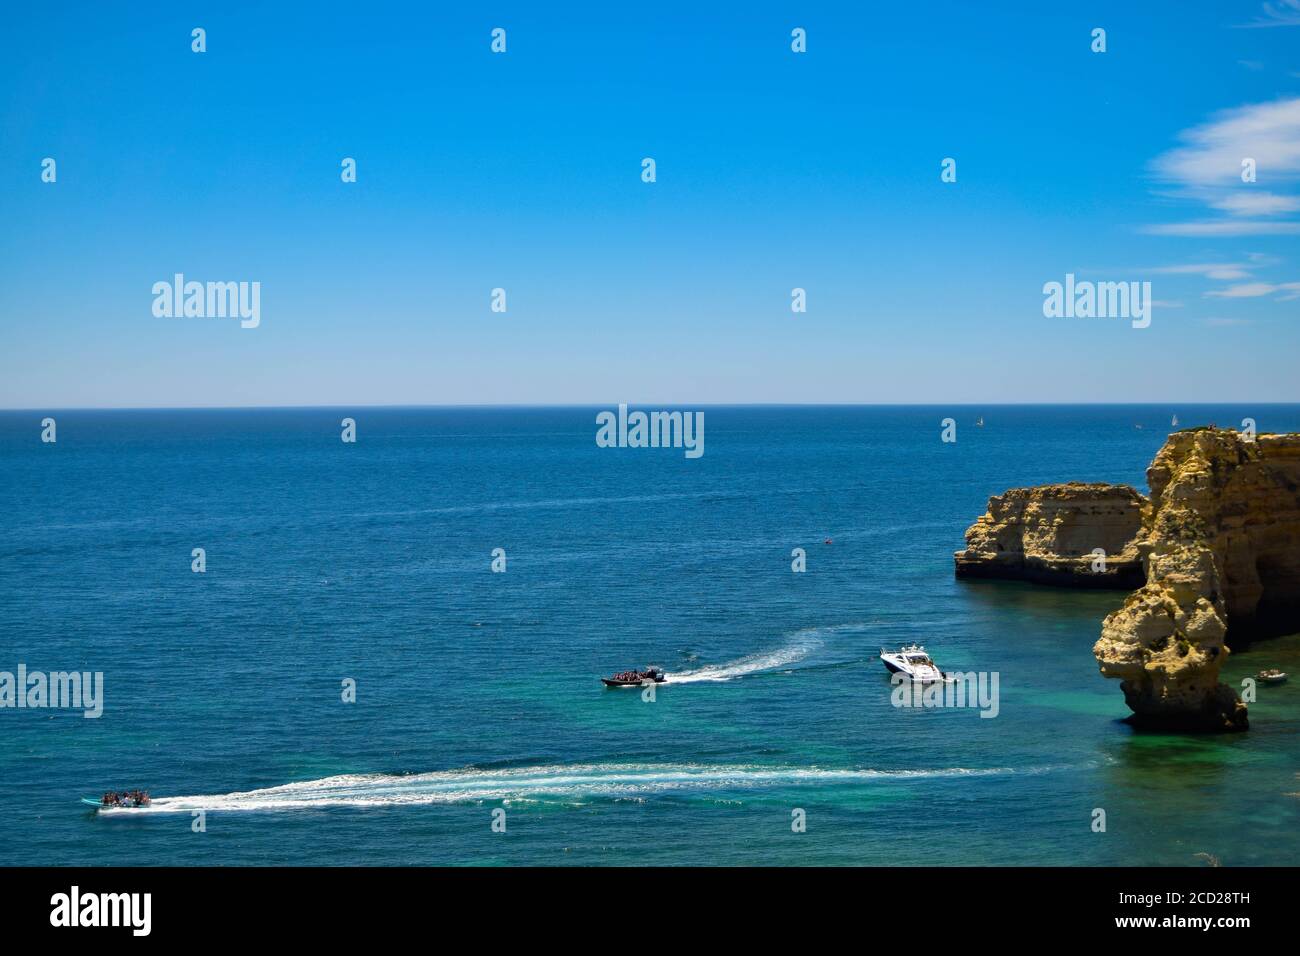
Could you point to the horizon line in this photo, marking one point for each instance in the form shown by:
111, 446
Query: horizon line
670, 405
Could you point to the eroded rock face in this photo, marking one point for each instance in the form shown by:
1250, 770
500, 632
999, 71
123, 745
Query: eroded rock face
1222, 547
1048, 534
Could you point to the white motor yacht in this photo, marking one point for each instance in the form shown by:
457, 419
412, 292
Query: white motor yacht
912, 660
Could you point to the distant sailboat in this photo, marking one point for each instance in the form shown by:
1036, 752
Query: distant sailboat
980, 422
1174, 422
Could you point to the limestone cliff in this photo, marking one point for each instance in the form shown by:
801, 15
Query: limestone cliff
1222, 546
1048, 534
1214, 554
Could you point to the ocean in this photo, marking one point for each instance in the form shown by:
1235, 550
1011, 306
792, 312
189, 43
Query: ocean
774, 742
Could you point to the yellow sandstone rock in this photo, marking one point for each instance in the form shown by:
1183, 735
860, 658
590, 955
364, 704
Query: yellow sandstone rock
1050, 534
1222, 547
1214, 553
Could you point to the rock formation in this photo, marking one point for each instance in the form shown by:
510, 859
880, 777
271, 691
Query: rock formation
1222, 547
1049, 535
1219, 540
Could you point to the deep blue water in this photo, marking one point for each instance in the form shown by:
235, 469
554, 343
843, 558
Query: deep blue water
478, 691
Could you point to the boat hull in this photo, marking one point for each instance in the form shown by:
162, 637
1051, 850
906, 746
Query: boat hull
610, 682
930, 674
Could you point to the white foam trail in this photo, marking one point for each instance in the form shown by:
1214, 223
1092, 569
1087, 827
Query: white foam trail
801, 644
556, 783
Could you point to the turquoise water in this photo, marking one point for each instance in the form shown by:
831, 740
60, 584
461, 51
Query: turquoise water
478, 691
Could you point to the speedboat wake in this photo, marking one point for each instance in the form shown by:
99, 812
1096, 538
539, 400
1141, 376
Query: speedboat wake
800, 645
560, 784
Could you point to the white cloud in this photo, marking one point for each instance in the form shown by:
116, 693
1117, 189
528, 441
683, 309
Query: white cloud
1224, 271
1277, 13
1255, 290
1245, 290
1211, 156
1245, 203
1224, 227
1207, 168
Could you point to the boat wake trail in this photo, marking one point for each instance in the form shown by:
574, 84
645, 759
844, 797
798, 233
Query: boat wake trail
560, 784
800, 645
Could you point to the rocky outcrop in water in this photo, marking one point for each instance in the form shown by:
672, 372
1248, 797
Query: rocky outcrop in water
1050, 534
1215, 555
1222, 548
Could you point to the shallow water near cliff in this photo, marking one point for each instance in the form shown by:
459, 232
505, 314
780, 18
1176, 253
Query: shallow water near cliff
476, 690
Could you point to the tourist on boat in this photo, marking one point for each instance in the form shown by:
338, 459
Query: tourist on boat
127, 798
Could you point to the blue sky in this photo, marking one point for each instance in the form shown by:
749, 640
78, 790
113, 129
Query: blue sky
522, 171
